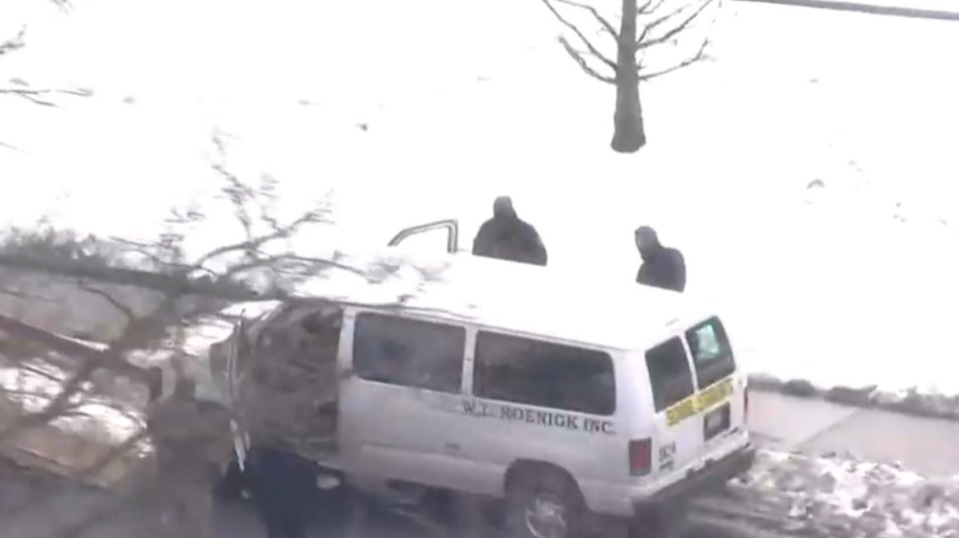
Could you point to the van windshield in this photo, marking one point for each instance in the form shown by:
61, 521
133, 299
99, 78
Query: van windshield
711, 351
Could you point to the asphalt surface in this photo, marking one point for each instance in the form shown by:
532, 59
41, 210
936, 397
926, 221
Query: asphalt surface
34, 506
787, 423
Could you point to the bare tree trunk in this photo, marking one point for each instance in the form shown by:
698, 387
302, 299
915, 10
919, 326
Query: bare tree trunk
629, 133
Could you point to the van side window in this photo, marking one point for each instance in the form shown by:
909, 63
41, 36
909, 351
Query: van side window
712, 354
669, 373
412, 353
534, 372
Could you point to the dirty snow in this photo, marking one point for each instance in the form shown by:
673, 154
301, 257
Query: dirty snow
842, 496
408, 120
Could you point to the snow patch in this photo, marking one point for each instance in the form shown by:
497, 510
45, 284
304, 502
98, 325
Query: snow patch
860, 498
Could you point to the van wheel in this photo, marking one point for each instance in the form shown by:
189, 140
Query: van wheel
544, 504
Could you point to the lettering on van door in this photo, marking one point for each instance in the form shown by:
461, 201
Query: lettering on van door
539, 417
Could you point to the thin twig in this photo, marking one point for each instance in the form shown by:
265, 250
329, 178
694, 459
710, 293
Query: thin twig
602, 20
578, 58
645, 42
110, 299
589, 45
700, 55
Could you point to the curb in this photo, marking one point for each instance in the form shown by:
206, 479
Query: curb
910, 402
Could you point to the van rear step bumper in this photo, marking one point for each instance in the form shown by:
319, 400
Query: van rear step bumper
711, 477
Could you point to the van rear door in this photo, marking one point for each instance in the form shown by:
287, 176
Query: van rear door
721, 394
677, 436
698, 399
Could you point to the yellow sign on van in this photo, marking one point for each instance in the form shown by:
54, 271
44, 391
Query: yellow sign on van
699, 402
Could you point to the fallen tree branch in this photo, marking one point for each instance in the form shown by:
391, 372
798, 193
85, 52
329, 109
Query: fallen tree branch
131, 277
110, 299
66, 346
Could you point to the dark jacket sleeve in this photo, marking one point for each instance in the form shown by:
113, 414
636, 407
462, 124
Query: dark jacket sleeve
679, 270
533, 249
538, 250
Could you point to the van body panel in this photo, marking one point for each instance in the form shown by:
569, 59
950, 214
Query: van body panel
461, 441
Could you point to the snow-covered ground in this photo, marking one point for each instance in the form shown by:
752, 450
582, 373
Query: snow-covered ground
851, 283
841, 496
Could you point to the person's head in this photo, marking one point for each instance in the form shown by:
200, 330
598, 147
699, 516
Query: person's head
647, 242
503, 208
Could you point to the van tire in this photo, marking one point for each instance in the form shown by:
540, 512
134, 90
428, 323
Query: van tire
543, 491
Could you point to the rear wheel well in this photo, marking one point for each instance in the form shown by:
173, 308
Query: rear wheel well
523, 468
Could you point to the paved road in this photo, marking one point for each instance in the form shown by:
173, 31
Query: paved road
29, 510
816, 427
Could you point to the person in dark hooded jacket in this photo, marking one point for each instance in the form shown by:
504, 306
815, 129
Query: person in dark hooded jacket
507, 237
662, 267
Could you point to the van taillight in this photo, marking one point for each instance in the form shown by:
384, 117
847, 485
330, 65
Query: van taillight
640, 456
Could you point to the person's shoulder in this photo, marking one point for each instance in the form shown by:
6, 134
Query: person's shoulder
526, 227
487, 224
675, 254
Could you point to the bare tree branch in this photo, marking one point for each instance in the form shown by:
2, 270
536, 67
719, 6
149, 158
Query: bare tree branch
607, 26
155, 325
64, 346
257, 242
164, 283
138, 332
8, 146
109, 298
210, 281
145, 250
644, 41
14, 43
650, 7
578, 58
35, 96
589, 45
700, 55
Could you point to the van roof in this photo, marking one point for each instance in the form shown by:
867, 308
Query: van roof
542, 301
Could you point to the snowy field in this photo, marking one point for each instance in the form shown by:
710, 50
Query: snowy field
852, 283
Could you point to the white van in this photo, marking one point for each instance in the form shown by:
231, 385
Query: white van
507, 380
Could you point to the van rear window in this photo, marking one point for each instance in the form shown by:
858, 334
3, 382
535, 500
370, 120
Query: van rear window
712, 353
669, 373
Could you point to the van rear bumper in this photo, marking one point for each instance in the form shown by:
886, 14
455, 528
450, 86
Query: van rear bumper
712, 476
